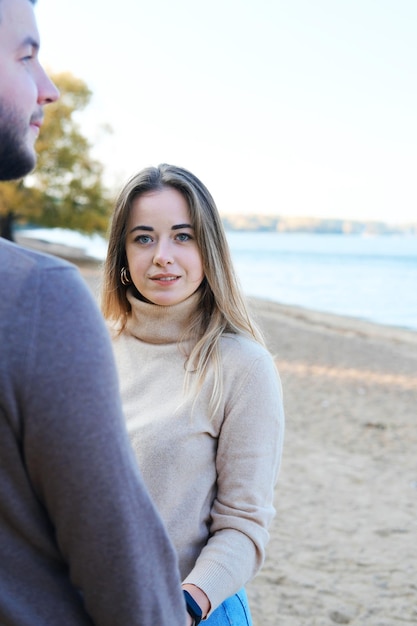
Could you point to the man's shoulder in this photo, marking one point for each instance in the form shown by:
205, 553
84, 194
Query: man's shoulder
27, 274
14, 258
24, 268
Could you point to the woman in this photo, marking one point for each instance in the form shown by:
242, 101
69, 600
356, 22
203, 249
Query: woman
201, 394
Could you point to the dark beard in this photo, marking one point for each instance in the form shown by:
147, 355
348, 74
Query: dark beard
15, 159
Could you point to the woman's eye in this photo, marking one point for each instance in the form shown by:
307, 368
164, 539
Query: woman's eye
143, 239
183, 237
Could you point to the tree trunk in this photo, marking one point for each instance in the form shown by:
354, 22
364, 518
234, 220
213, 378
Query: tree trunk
6, 225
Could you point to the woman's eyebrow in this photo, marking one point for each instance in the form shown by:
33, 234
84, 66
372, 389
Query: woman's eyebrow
147, 228
150, 229
179, 226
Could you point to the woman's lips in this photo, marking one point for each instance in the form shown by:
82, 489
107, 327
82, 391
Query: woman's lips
164, 279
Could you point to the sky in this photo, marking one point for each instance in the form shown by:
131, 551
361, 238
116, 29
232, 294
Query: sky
282, 107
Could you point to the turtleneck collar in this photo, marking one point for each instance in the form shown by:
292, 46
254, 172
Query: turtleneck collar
157, 324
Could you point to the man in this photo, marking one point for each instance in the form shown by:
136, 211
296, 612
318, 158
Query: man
80, 541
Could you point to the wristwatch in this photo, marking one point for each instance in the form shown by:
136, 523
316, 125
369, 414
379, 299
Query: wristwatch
193, 608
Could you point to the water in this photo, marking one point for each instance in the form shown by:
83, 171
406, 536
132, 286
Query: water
373, 278
93, 246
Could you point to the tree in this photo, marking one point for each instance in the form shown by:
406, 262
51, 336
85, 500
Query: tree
66, 189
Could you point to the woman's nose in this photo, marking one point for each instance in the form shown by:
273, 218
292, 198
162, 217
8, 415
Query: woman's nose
163, 255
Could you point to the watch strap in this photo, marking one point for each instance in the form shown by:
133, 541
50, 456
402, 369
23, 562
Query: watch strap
192, 607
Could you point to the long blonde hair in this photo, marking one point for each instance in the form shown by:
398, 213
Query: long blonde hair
221, 307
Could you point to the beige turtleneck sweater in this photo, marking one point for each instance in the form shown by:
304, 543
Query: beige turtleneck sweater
211, 480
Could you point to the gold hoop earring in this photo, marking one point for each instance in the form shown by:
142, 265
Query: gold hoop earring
125, 278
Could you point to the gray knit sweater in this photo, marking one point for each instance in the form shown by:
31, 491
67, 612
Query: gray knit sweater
211, 480
80, 541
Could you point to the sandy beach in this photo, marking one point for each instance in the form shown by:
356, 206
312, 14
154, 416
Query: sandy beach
343, 547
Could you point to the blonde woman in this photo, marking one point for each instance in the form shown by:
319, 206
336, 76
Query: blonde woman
201, 393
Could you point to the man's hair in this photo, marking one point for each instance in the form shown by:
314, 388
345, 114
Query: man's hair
31, 1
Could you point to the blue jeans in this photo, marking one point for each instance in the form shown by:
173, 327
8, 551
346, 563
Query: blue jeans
234, 611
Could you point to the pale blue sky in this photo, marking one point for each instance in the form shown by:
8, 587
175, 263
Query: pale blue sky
292, 107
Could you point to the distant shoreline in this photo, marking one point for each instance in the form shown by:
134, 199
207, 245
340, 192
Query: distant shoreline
310, 225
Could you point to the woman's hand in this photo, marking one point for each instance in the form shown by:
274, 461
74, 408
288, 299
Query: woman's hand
201, 599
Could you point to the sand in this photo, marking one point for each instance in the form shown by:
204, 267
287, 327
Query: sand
343, 547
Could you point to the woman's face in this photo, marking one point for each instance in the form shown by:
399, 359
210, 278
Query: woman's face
162, 254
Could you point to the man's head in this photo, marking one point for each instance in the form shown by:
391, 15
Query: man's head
24, 88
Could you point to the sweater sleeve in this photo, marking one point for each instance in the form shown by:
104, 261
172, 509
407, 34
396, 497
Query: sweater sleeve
81, 465
248, 459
